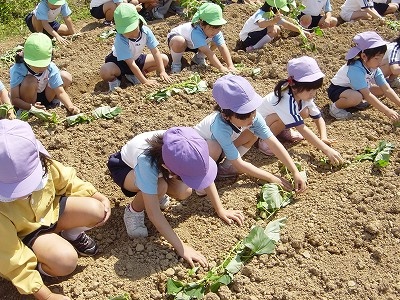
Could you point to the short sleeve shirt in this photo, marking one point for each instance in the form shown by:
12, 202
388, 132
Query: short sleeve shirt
288, 110
315, 7
125, 48
51, 76
355, 5
44, 13
214, 127
195, 36
392, 55
357, 77
97, 3
133, 155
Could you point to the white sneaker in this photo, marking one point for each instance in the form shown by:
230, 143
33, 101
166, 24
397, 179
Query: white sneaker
134, 223
132, 79
165, 202
176, 68
201, 193
157, 14
198, 60
114, 84
338, 113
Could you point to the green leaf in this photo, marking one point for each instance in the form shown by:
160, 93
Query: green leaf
256, 71
380, 156
174, 286
193, 271
22, 115
195, 290
4, 109
78, 119
235, 264
318, 31
259, 242
45, 116
106, 112
273, 229
108, 33
125, 296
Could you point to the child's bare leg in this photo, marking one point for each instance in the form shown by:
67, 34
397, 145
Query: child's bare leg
109, 71
150, 63
37, 24
246, 139
391, 8
305, 21
332, 23
275, 124
63, 30
28, 89
56, 255
348, 98
360, 15
178, 190
108, 9
214, 149
138, 202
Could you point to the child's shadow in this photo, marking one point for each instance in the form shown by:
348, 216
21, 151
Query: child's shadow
92, 26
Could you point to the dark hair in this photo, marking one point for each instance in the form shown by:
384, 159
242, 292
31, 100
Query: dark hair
295, 85
19, 57
370, 53
155, 153
229, 113
204, 23
266, 7
46, 162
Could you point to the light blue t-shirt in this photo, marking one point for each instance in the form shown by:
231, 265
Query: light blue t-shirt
125, 48
44, 13
214, 127
1, 86
51, 76
146, 174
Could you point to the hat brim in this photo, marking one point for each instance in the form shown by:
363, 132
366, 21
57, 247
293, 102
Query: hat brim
312, 77
41, 63
130, 27
201, 182
354, 51
250, 106
26, 186
60, 2
219, 22
285, 8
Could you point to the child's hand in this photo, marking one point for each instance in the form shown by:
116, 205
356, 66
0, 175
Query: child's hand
334, 157
230, 216
393, 115
327, 141
300, 184
233, 70
73, 110
191, 255
53, 296
224, 70
139, 7
62, 40
164, 76
285, 184
307, 34
11, 114
151, 82
39, 105
277, 18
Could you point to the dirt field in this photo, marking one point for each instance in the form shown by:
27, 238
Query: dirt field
342, 236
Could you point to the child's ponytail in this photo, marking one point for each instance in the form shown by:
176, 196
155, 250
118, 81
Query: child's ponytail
281, 86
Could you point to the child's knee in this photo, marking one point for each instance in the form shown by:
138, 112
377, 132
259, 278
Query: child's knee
183, 194
65, 262
305, 21
165, 59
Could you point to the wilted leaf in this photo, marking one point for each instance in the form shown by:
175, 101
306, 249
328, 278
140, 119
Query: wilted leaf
78, 119
273, 229
106, 112
235, 265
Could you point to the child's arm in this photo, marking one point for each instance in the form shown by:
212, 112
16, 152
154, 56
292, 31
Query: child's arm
371, 99
52, 32
4, 99
63, 96
373, 13
70, 25
292, 27
227, 215
138, 73
390, 93
333, 155
45, 294
226, 56
282, 154
213, 58
321, 126
160, 65
152, 207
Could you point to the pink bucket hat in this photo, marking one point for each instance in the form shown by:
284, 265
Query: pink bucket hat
363, 41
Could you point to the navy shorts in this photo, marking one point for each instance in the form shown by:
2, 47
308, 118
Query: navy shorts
253, 38
381, 8
123, 66
314, 20
55, 25
97, 12
30, 238
118, 171
334, 91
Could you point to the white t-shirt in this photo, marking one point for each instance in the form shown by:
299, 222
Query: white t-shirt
315, 7
355, 5
97, 3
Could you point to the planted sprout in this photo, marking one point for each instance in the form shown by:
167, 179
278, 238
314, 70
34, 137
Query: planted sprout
380, 156
271, 199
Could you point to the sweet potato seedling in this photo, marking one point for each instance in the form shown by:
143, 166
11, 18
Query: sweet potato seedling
125, 296
4, 110
271, 199
259, 241
380, 156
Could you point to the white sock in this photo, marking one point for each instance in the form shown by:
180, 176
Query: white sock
334, 105
242, 150
132, 210
200, 54
176, 57
262, 42
40, 269
73, 233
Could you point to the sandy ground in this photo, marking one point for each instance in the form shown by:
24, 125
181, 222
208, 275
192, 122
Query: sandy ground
341, 240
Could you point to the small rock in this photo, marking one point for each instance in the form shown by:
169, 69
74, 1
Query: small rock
170, 272
130, 251
351, 284
306, 254
139, 247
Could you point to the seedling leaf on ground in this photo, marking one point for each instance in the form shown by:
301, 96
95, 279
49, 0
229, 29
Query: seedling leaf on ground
9, 57
4, 109
380, 156
106, 112
259, 241
78, 119
107, 33
45, 116
121, 297
192, 85
272, 198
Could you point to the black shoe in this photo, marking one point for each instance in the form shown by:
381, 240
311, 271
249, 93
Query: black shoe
85, 245
147, 15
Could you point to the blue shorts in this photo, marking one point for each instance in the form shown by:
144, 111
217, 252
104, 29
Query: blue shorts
30, 238
334, 92
118, 171
314, 20
28, 20
97, 12
123, 66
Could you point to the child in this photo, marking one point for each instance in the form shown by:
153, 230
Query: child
353, 82
167, 5
4, 99
104, 9
293, 100
196, 35
127, 57
155, 164
358, 10
390, 65
384, 7
261, 29
235, 126
43, 19
36, 80
45, 210
311, 16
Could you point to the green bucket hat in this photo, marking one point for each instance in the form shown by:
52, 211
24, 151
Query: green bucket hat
126, 18
279, 4
38, 49
210, 13
57, 2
